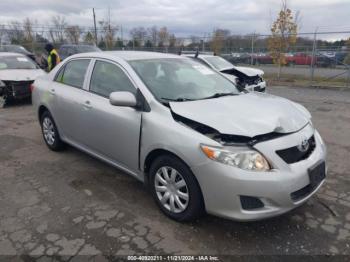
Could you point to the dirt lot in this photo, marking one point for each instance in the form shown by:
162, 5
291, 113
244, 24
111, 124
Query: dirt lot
69, 203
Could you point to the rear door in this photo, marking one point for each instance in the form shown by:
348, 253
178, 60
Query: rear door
111, 131
70, 94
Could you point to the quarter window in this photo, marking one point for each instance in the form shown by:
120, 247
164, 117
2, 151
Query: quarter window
107, 78
73, 73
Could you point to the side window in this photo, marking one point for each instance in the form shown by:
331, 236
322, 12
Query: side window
74, 73
107, 78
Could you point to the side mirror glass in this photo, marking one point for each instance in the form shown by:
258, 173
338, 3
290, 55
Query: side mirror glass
126, 99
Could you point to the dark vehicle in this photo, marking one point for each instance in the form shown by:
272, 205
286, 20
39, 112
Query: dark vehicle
238, 58
68, 50
17, 49
261, 58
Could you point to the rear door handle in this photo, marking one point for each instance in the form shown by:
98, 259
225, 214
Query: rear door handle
87, 104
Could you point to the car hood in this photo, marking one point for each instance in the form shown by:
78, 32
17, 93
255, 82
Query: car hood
20, 74
249, 71
248, 115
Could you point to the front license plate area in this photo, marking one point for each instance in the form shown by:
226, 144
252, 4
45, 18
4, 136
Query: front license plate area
317, 174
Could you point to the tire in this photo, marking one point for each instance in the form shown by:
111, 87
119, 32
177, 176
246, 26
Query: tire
193, 207
50, 132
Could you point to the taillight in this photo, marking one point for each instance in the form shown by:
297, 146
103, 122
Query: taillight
31, 87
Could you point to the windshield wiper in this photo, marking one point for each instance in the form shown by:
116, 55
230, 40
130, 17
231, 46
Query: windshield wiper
179, 99
216, 95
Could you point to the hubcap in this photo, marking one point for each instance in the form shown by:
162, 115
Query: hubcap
49, 131
171, 189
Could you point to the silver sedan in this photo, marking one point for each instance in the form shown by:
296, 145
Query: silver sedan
184, 130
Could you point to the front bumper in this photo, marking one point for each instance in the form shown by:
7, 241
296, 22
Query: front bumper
222, 185
261, 87
16, 89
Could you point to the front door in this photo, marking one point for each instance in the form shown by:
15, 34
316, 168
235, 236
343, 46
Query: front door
111, 131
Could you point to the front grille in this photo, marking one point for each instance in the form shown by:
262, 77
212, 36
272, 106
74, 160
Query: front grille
294, 154
18, 88
251, 203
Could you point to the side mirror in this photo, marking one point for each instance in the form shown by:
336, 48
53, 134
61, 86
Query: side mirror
122, 98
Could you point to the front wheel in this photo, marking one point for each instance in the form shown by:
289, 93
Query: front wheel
175, 189
50, 132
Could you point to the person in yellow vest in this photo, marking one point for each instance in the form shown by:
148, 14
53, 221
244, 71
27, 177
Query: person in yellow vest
53, 58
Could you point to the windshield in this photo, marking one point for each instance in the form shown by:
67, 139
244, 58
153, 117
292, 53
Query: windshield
218, 62
16, 62
16, 48
175, 79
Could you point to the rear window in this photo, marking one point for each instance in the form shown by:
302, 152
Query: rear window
73, 73
16, 62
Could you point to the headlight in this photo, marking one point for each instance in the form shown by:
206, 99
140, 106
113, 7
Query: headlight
244, 158
2, 84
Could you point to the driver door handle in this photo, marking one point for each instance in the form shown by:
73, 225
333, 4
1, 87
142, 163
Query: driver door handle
87, 104
52, 91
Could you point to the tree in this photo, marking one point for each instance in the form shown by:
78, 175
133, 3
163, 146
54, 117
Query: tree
153, 35
138, 34
15, 32
283, 36
163, 36
89, 38
57, 30
108, 33
217, 42
172, 41
73, 34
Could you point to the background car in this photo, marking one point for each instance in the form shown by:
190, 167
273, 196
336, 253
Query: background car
70, 49
247, 78
17, 49
17, 73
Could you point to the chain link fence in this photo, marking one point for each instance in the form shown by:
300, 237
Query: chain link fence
313, 60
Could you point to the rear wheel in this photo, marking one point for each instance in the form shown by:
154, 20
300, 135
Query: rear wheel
50, 132
175, 189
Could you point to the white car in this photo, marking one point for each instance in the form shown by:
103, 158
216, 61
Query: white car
248, 78
17, 73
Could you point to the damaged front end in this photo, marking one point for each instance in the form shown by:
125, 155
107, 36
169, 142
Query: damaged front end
244, 80
225, 139
15, 89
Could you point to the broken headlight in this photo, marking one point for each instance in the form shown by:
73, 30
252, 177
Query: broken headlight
243, 158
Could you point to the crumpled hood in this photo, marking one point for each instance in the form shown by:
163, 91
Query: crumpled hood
249, 71
248, 115
20, 74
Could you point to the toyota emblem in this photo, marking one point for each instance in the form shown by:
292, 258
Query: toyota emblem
304, 145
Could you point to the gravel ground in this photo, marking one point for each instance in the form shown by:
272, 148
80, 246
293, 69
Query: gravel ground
69, 203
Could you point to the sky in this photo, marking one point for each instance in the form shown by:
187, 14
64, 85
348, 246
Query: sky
186, 17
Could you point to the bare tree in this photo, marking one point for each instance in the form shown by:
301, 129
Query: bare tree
108, 33
138, 34
153, 35
163, 36
172, 40
15, 32
73, 34
29, 35
57, 31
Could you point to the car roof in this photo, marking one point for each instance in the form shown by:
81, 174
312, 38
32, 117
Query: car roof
74, 45
3, 54
128, 55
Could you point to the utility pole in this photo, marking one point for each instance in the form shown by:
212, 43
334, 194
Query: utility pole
93, 12
252, 48
313, 60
